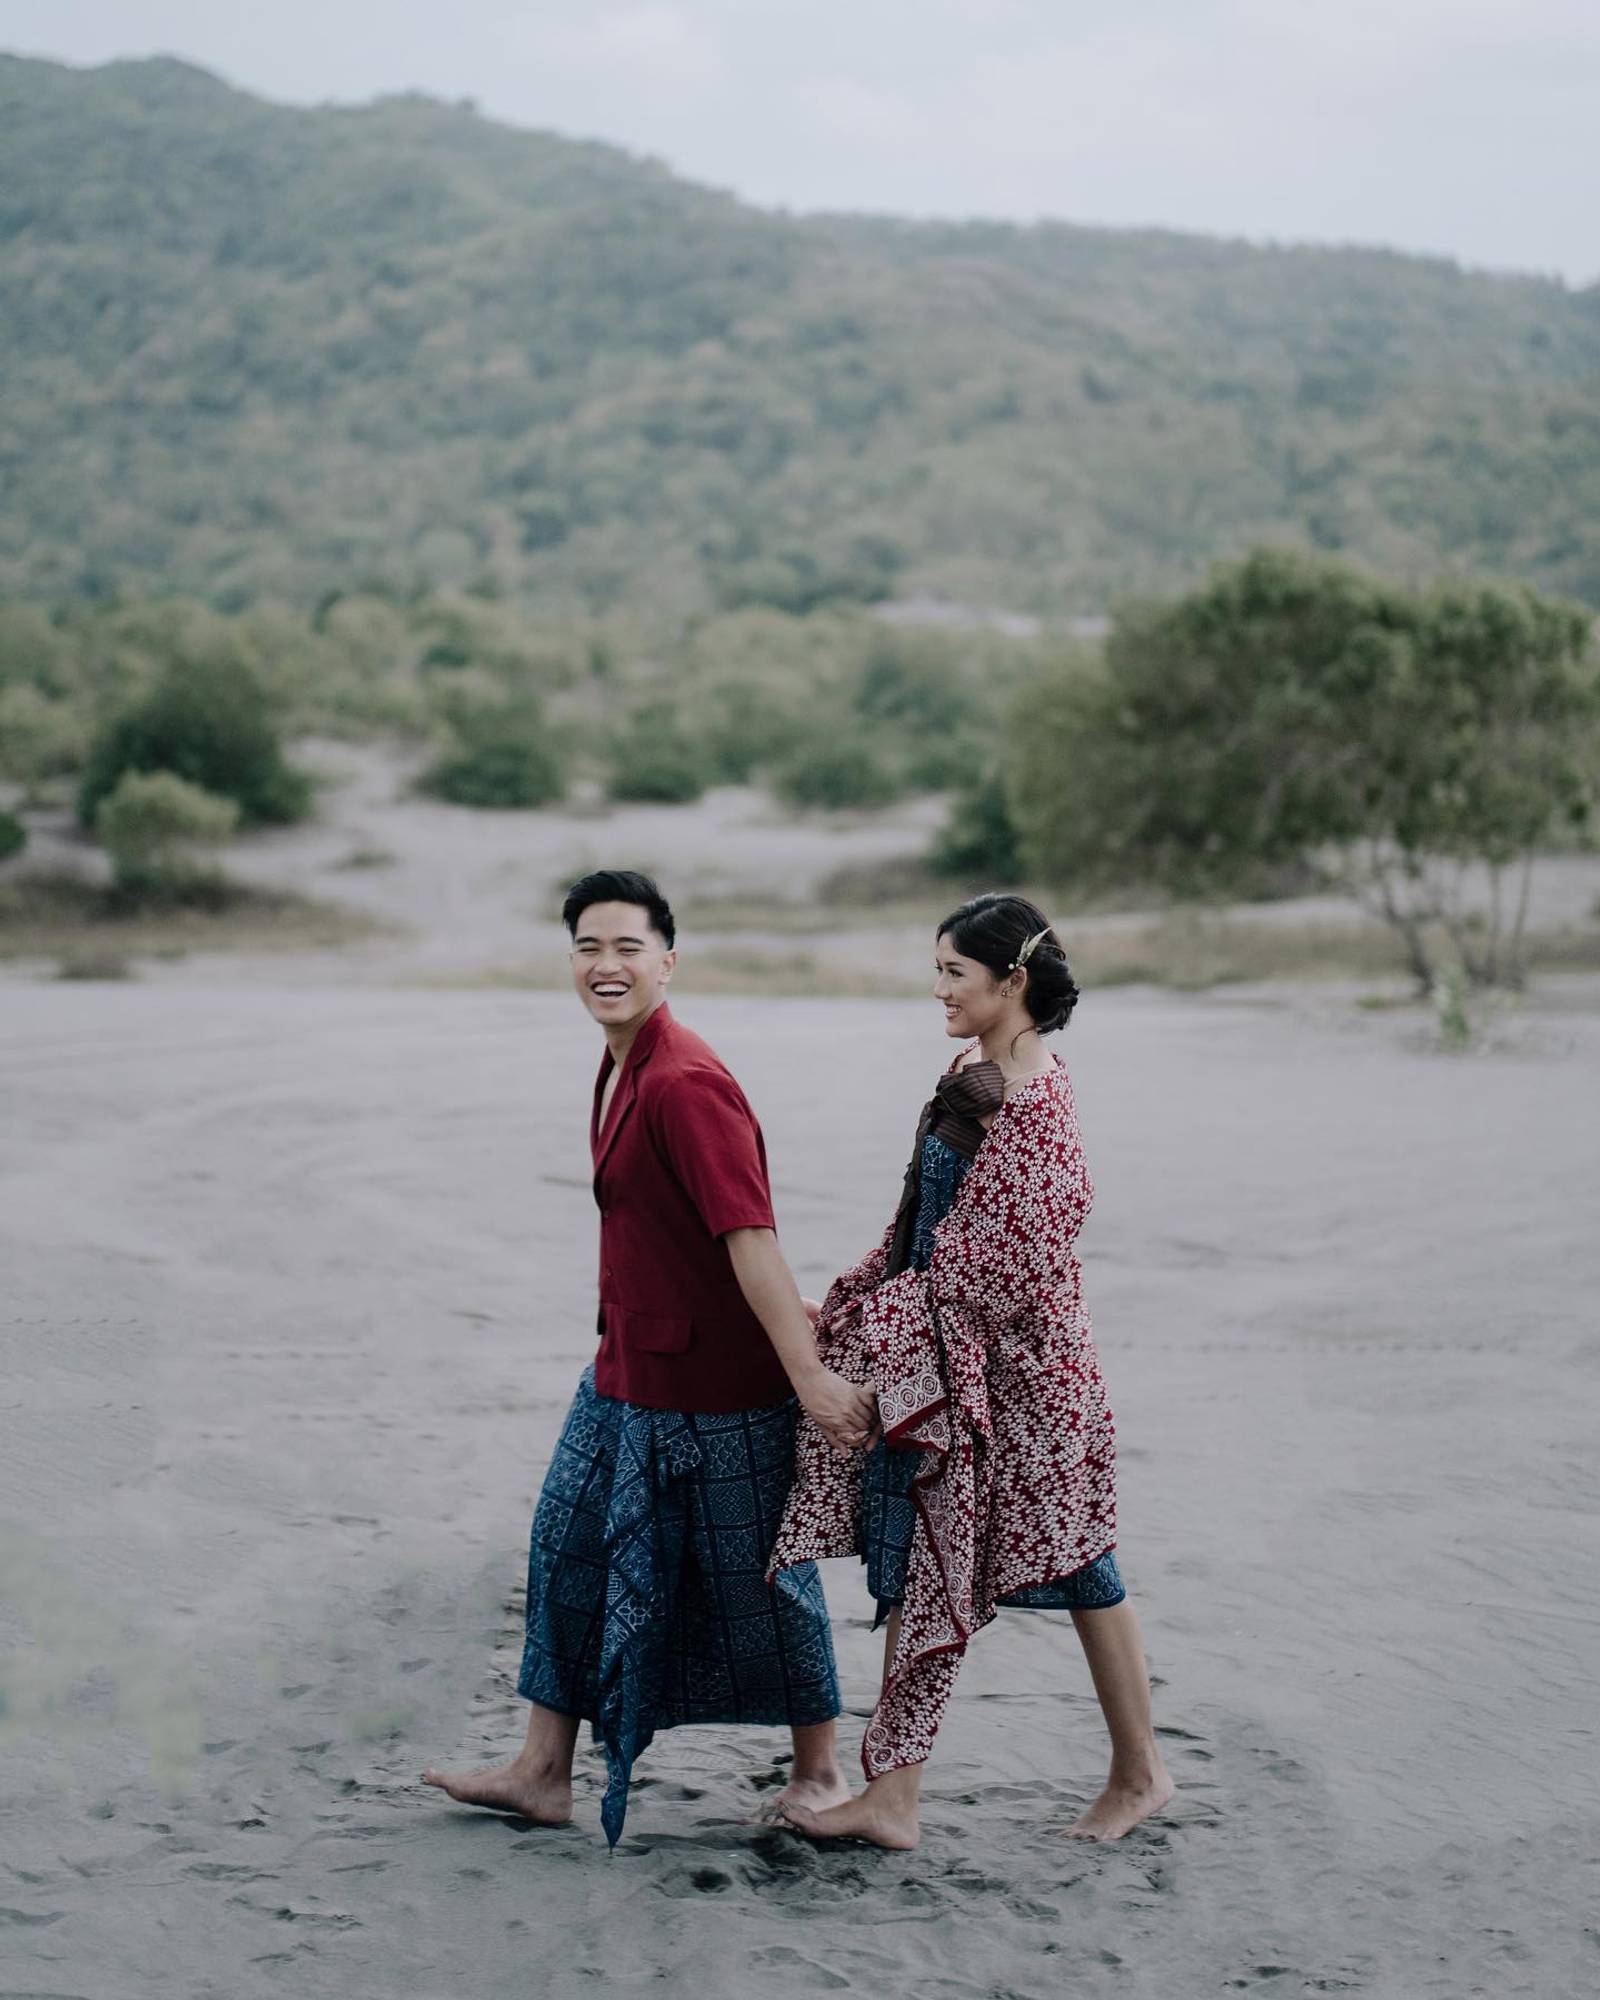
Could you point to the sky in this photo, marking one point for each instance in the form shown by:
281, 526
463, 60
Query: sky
1468, 128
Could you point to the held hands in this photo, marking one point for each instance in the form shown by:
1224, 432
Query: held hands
846, 1414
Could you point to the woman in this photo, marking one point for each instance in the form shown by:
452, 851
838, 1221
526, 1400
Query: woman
994, 1481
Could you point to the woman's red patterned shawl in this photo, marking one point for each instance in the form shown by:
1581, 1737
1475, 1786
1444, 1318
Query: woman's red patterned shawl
986, 1363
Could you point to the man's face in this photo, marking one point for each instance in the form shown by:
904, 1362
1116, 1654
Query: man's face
620, 966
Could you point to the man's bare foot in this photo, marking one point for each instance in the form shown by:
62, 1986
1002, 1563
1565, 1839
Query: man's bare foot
1120, 1808
509, 1788
816, 1793
883, 1822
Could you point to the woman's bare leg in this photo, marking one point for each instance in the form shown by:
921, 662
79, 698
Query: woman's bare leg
536, 1784
1138, 1784
886, 1812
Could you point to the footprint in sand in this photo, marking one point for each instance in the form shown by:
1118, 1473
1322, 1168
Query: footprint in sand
803, 1972
685, 1882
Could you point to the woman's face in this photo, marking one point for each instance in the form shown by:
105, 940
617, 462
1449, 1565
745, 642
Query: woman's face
968, 991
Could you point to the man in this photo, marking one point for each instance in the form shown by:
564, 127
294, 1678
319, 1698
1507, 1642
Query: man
647, 1599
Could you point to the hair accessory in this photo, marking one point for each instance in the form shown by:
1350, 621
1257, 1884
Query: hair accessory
1026, 952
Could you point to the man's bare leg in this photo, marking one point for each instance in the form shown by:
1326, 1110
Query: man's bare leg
1138, 1785
536, 1784
885, 1813
815, 1779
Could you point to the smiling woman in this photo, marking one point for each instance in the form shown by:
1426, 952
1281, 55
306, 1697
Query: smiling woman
994, 1483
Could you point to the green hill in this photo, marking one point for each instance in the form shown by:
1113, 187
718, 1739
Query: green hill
255, 351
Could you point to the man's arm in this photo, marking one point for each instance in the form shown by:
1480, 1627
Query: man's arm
846, 1415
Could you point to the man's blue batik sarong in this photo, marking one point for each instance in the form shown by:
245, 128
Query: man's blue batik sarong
648, 1604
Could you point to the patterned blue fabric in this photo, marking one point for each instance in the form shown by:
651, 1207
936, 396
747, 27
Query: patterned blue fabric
648, 1604
888, 1517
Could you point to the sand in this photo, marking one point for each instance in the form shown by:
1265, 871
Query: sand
297, 1283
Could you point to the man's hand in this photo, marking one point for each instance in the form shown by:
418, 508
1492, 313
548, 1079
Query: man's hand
846, 1415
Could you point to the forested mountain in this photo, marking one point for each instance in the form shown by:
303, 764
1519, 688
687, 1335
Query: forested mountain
256, 351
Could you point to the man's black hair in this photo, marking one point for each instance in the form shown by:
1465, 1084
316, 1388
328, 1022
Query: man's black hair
620, 885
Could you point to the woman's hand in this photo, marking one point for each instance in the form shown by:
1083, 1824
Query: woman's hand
846, 1414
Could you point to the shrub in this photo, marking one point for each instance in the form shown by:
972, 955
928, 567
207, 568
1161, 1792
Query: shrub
39, 738
151, 827
206, 721
503, 759
834, 772
744, 726
980, 841
13, 835
654, 761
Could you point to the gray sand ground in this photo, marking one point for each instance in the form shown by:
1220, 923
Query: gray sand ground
296, 1286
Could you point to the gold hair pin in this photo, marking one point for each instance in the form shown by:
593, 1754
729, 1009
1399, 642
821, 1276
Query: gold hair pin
1026, 952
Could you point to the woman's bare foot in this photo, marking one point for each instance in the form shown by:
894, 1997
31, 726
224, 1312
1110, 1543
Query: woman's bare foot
884, 1814
1120, 1808
510, 1788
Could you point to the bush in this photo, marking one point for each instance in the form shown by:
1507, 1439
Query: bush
206, 721
13, 835
39, 738
744, 726
980, 841
653, 761
151, 826
834, 772
504, 759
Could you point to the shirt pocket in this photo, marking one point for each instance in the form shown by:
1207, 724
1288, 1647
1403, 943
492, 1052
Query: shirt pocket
657, 1333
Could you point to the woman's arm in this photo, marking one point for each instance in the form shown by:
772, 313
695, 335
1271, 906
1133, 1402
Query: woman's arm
843, 1412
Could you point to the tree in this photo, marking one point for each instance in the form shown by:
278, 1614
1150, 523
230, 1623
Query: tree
1295, 712
206, 720
980, 841
1492, 753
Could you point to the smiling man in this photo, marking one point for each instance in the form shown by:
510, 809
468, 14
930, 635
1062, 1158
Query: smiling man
647, 1600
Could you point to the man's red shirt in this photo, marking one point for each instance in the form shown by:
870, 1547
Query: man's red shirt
679, 1163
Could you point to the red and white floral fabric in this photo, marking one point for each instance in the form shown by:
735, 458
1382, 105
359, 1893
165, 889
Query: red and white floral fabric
986, 1363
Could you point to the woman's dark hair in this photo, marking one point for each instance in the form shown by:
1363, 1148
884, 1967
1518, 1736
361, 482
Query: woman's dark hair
620, 885
994, 929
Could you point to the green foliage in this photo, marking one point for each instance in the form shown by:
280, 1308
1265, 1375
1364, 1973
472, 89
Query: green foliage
502, 756
1293, 710
834, 772
743, 727
39, 738
31, 651
152, 823
438, 354
979, 844
654, 760
205, 720
13, 835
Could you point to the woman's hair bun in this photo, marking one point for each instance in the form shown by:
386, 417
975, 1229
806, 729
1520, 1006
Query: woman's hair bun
1008, 933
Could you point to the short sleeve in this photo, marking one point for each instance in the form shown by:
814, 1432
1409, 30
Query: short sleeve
713, 1144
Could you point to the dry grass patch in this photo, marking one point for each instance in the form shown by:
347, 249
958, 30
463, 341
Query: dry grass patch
81, 923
